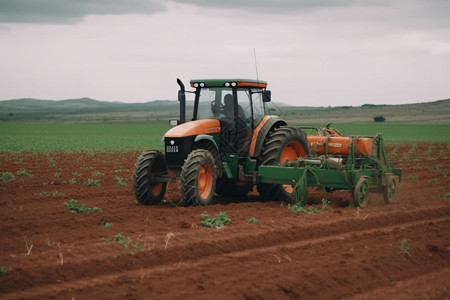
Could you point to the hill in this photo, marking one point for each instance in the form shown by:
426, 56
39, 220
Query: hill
90, 110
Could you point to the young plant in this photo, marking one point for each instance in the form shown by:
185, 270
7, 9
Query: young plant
7, 176
23, 172
219, 220
57, 194
2, 271
98, 174
92, 182
252, 220
106, 224
120, 181
124, 241
404, 248
75, 208
310, 210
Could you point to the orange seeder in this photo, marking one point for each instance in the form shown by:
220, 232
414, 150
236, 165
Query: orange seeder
320, 145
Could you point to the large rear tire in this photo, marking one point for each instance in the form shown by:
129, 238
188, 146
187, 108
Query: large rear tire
198, 178
148, 189
283, 144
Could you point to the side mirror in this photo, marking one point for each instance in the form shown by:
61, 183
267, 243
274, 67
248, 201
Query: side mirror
174, 122
266, 96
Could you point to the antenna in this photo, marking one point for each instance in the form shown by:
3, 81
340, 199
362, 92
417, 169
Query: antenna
256, 65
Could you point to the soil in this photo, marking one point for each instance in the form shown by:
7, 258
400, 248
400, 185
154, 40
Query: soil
395, 251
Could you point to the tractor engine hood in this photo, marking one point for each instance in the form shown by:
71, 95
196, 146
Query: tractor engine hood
179, 141
194, 128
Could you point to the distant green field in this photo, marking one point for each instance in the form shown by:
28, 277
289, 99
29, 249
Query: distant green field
126, 136
69, 137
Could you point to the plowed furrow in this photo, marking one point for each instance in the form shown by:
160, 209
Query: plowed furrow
278, 251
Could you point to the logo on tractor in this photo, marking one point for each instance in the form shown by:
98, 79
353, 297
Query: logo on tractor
172, 148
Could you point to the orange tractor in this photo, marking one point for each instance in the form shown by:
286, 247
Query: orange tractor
231, 145
221, 147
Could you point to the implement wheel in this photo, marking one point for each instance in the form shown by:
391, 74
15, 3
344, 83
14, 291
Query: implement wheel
198, 178
148, 188
281, 145
389, 189
361, 193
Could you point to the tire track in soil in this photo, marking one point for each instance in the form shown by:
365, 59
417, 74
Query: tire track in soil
359, 240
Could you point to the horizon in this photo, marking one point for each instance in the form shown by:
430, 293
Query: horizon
274, 102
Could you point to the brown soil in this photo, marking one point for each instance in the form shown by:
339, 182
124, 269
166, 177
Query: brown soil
341, 253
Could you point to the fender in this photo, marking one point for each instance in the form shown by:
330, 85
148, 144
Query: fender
207, 137
261, 131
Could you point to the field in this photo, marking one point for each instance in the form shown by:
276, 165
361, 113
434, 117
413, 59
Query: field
118, 249
129, 136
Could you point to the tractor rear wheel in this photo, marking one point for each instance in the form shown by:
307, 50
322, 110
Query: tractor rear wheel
198, 178
148, 188
283, 144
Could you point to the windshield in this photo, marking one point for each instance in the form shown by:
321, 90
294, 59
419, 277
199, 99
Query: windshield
211, 103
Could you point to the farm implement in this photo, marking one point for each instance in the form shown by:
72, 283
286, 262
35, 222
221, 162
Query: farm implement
356, 163
231, 145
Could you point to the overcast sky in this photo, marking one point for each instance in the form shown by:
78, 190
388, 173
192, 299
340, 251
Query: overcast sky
311, 52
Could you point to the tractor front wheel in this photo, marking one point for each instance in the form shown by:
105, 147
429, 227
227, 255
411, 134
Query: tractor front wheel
148, 187
198, 178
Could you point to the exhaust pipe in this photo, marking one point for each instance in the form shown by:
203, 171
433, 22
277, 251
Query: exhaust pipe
182, 99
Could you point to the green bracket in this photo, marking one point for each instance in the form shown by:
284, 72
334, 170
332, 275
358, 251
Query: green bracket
300, 193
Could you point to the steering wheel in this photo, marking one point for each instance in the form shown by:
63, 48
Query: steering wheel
214, 107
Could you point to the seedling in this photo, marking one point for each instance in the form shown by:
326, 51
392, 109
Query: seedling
43, 194
138, 247
310, 210
253, 220
23, 172
98, 174
120, 181
106, 224
124, 241
76, 208
2, 271
219, 220
7, 176
404, 248
92, 182
57, 194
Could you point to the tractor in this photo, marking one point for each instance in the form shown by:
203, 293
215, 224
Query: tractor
230, 146
220, 149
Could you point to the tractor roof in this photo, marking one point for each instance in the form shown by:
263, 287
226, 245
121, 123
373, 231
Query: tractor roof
228, 83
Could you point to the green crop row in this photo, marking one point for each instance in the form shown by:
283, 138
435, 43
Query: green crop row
127, 136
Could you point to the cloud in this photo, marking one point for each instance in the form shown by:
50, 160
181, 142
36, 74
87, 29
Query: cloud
70, 11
